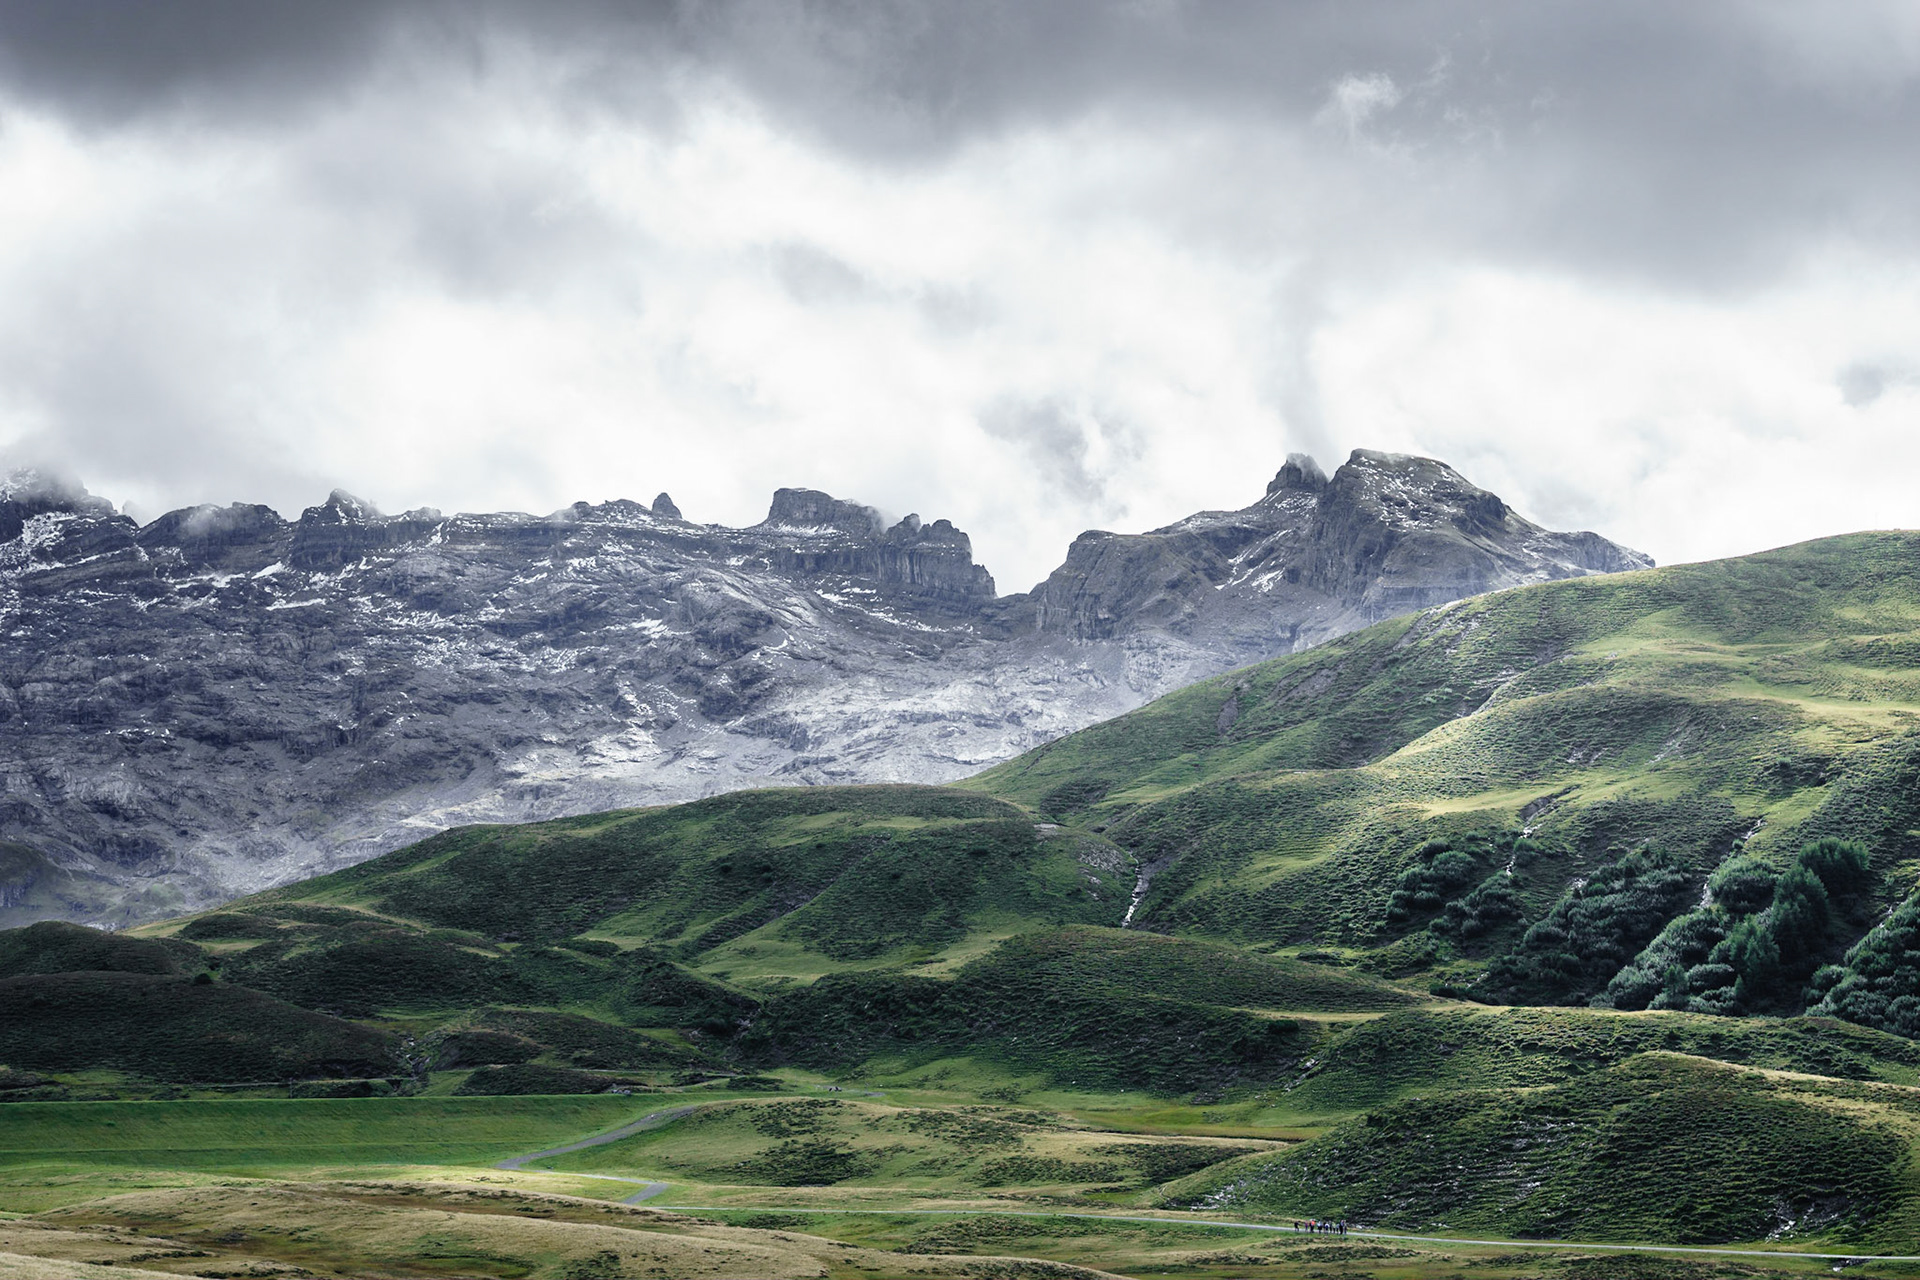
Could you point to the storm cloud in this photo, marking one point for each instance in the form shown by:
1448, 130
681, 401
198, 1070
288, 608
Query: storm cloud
1649, 268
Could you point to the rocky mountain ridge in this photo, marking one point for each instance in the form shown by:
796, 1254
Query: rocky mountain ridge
221, 699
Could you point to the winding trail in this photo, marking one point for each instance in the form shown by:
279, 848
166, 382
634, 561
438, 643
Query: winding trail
648, 1188
1280, 1229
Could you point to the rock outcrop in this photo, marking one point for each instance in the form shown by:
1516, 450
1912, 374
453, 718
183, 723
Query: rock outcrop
1316, 557
222, 699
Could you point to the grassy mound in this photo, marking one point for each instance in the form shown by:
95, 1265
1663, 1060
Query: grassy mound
1424, 1051
1152, 965
851, 872
1662, 1148
827, 1142
523, 1078
1091, 1009
289, 1136
53, 946
427, 1229
169, 1028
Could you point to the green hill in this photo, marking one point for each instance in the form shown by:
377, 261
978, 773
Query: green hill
1659, 1147
1417, 793
1542, 876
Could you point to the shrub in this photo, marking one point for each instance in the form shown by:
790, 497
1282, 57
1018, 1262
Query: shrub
1798, 917
1437, 871
1684, 943
1492, 903
1841, 865
1878, 985
531, 1078
1742, 886
1591, 933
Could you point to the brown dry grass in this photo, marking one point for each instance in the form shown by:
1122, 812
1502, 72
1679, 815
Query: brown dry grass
376, 1229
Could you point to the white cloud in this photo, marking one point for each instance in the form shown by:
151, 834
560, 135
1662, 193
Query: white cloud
460, 287
1357, 99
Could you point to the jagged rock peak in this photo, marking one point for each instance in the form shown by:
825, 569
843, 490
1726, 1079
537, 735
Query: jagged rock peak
1300, 473
31, 486
664, 508
812, 509
341, 507
26, 492
1404, 488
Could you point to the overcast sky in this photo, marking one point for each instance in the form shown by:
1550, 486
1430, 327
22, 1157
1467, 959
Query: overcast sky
1652, 269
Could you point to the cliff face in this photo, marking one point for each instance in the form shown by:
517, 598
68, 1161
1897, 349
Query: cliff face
1316, 557
223, 699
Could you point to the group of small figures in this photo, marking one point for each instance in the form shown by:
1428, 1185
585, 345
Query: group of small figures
1320, 1224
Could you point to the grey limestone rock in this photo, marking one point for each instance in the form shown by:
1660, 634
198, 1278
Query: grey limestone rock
222, 700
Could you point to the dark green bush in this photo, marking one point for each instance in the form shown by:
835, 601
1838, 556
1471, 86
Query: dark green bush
1437, 871
1799, 915
1492, 903
531, 1078
1878, 984
1686, 942
1592, 931
1842, 865
1742, 885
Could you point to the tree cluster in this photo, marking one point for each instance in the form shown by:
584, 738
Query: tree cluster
1756, 938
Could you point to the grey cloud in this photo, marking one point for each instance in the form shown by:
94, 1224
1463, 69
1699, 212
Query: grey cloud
1861, 384
1056, 440
1864, 383
1327, 151
1701, 141
109, 61
813, 277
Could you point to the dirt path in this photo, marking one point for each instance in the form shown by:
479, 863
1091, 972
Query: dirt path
648, 1188
1281, 1229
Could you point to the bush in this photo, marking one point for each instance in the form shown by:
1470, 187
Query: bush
1592, 931
528, 1078
1438, 870
1878, 985
1686, 941
1842, 865
1742, 886
1492, 903
1798, 917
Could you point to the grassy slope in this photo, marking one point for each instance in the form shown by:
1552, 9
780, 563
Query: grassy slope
1775, 696
850, 876
1662, 1146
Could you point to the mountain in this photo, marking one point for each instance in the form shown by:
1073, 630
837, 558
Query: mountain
222, 699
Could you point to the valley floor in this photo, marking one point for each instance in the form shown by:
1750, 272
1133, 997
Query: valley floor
952, 1184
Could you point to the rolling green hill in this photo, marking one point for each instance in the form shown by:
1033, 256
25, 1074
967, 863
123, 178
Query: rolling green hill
1476, 906
1416, 794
